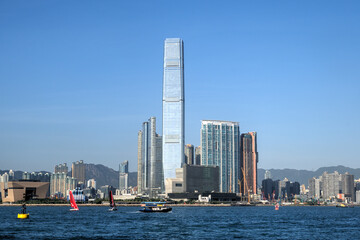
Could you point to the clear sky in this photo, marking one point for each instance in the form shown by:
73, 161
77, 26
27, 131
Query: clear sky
78, 78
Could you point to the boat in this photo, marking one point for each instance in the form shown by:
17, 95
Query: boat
73, 203
242, 204
155, 207
112, 203
342, 205
23, 214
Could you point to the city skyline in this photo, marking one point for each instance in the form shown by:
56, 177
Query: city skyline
72, 90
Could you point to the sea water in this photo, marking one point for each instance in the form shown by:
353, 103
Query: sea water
52, 222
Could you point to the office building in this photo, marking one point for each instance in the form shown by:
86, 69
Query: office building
189, 154
173, 106
220, 145
78, 171
201, 178
198, 155
140, 165
124, 176
150, 168
267, 189
249, 160
348, 186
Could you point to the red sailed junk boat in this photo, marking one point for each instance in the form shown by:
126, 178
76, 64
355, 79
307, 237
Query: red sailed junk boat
73, 203
112, 203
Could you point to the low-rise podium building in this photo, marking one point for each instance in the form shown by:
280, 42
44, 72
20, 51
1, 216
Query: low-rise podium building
23, 190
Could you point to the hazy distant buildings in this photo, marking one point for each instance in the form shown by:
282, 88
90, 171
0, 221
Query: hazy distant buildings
60, 184
267, 174
91, 183
189, 154
249, 160
198, 155
124, 176
173, 107
150, 168
78, 171
61, 168
220, 145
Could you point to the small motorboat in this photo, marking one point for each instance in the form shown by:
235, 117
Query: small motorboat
155, 207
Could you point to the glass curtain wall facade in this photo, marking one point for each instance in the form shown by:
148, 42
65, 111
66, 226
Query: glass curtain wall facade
124, 175
150, 166
173, 106
220, 146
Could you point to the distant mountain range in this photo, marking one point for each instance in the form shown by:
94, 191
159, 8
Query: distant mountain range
108, 176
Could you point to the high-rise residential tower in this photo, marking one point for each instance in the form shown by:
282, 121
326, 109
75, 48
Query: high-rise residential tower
173, 106
249, 160
198, 155
220, 146
150, 166
189, 154
78, 171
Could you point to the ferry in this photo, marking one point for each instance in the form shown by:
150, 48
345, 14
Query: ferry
155, 207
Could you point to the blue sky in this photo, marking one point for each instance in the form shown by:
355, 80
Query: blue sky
78, 78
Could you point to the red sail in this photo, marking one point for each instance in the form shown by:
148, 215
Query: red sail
112, 204
72, 201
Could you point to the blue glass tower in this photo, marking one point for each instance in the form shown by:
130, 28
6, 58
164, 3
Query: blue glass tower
173, 106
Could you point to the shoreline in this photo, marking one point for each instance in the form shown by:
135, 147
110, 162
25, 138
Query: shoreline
170, 205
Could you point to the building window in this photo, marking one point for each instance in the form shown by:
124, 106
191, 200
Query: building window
178, 184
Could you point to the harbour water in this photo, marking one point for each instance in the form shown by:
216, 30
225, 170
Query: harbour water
48, 222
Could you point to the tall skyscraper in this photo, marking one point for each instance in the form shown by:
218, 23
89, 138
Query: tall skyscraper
249, 160
78, 171
189, 154
140, 165
124, 176
220, 146
150, 167
173, 106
